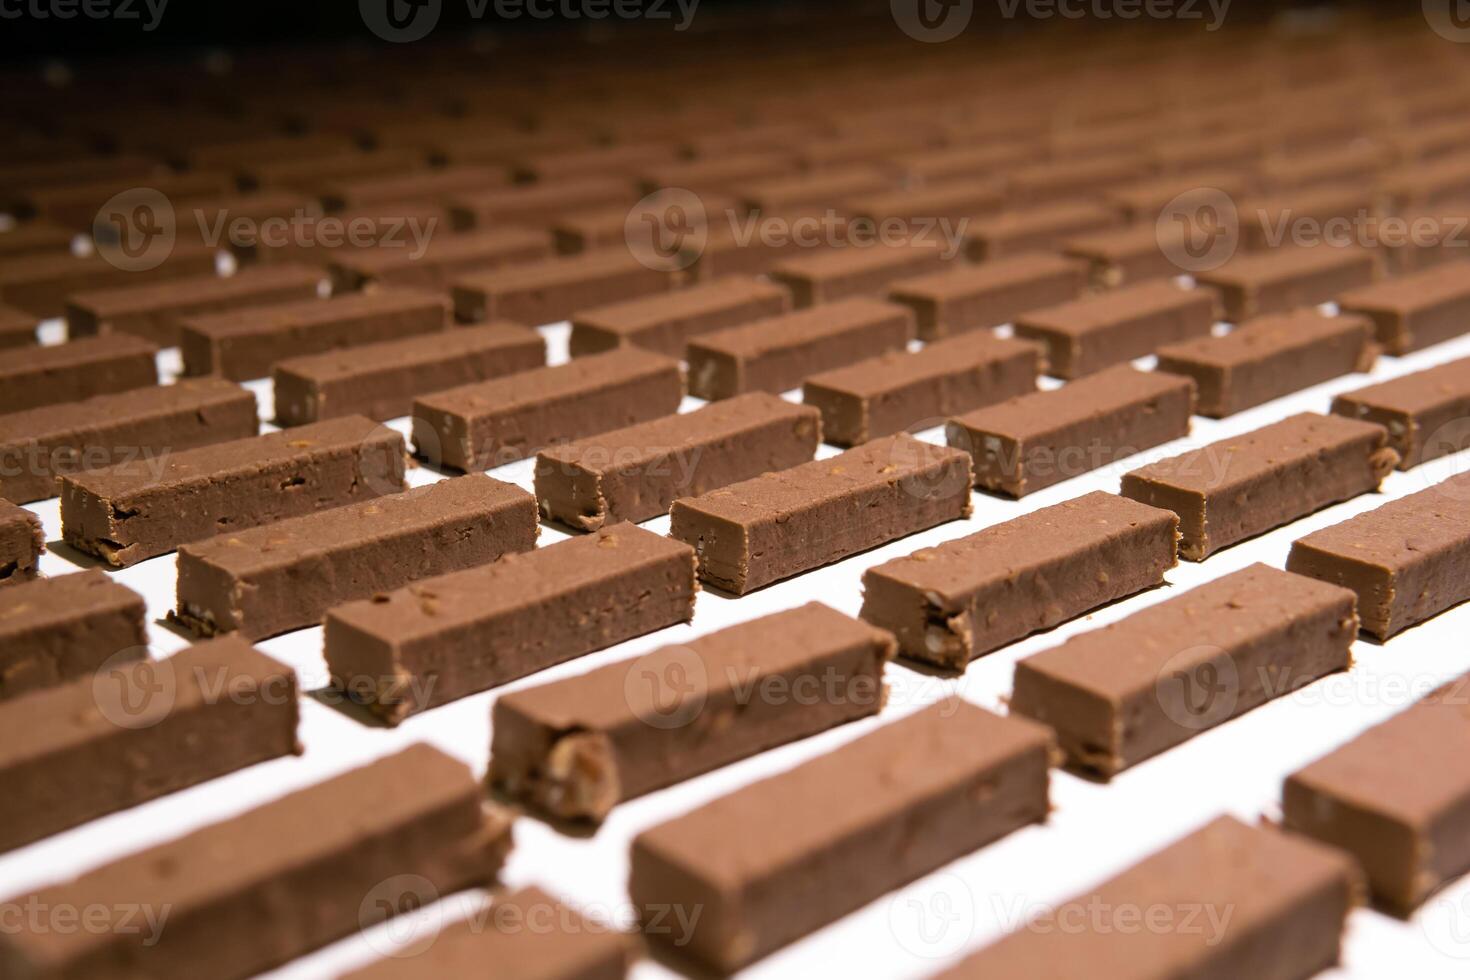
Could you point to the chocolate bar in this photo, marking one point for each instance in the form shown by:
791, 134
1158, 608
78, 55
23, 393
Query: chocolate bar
135, 510
1084, 176
1372, 799
576, 748
1041, 228
624, 161
1228, 900
153, 311
552, 290
954, 201
254, 581
1039, 439
812, 189
313, 174
40, 444
406, 229
715, 174
439, 260
914, 795
31, 377
525, 934
1270, 356
830, 274
444, 638
781, 524
434, 185
1417, 310
1267, 222
137, 731
602, 227
1284, 278
636, 473
40, 284
778, 353
246, 344
1311, 460
666, 323
381, 381
901, 391
17, 329
35, 237
1124, 693
1401, 577
65, 627
1136, 253
953, 602
967, 298
1088, 334
1422, 411
535, 205
485, 425
417, 816
21, 544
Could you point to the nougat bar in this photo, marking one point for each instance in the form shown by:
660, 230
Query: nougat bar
1037, 440
1270, 356
41, 444
34, 376
900, 391
1124, 693
974, 297
535, 205
17, 329
382, 380
1397, 798
439, 260
1243, 486
447, 637
21, 544
40, 284
781, 524
551, 290
1414, 311
131, 511
665, 323
137, 731
1286, 277
1089, 334
953, 602
1136, 253
1227, 901
246, 344
830, 274
576, 748
65, 627
777, 860
1407, 560
484, 425
257, 890
778, 353
1039, 228
637, 473
1424, 412
286, 575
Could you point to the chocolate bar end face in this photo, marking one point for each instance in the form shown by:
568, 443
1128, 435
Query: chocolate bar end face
21, 544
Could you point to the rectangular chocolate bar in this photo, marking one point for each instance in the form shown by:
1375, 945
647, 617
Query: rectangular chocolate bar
1404, 559
40, 284
381, 380
1042, 228
954, 201
444, 638
293, 868
1135, 253
491, 423
779, 353
36, 237
153, 311
1422, 412
1286, 277
830, 274
31, 377
433, 185
1228, 900
137, 731
41, 444
1240, 487
781, 524
912, 796
1084, 176
1396, 798
901, 391
666, 323
974, 297
549, 291
65, 627
247, 343
136, 510
17, 329
286, 575
525, 934
1124, 693
21, 544
1094, 332
636, 473
822, 189
953, 602
578, 747
1270, 356
439, 260
535, 205
1037, 440
1417, 310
